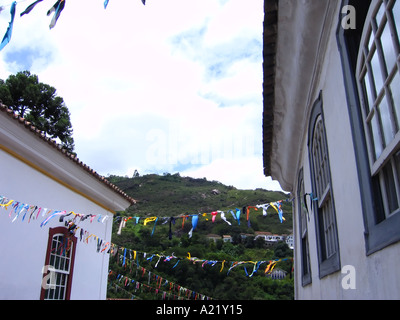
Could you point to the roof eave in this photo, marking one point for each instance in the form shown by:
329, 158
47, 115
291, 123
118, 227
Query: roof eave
126, 199
270, 35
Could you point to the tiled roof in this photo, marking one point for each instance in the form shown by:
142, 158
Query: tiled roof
67, 154
263, 233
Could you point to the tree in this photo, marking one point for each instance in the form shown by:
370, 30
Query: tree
136, 174
38, 103
259, 242
282, 250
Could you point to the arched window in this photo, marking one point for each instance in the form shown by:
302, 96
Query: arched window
324, 208
59, 265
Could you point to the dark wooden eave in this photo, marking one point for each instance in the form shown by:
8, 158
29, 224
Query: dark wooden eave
269, 55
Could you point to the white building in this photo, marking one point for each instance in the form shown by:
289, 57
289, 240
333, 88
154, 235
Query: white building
262, 234
290, 241
227, 238
331, 137
38, 177
272, 239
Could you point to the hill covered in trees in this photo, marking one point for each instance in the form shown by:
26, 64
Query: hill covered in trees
140, 272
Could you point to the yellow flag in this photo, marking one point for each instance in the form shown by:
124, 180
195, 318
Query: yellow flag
151, 219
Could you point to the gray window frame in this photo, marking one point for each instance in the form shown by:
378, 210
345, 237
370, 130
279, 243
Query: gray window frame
303, 218
328, 249
378, 231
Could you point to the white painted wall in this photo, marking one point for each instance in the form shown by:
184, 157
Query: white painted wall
377, 275
36, 173
23, 249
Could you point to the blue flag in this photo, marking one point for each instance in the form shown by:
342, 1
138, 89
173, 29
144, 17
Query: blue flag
7, 36
30, 7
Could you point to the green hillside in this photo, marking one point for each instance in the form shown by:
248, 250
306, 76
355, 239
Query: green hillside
173, 196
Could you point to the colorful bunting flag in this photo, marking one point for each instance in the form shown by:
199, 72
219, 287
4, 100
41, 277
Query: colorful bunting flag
57, 8
7, 35
30, 7
32, 211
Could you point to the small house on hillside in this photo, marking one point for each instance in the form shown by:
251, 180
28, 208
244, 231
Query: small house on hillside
227, 238
331, 135
262, 234
213, 237
56, 217
272, 239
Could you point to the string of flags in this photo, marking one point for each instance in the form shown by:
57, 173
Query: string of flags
130, 258
182, 294
235, 213
127, 256
156, 284
118, 288
32, 212
142, 287
56, 10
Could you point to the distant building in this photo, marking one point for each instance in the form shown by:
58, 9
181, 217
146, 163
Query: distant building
227, 238
213, 237
290, 241
246, 235
272, 239
262, 234
277, 274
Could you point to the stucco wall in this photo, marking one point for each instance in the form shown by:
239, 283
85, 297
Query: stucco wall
377, 275
23, 249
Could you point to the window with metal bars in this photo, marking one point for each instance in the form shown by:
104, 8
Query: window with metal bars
324, 209
378, 80
371, 63
303, 228
59, 263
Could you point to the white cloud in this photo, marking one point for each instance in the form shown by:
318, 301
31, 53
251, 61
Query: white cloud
173, 85
236, 19
244, 173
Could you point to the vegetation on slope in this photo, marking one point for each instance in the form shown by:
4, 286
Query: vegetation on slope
172, 196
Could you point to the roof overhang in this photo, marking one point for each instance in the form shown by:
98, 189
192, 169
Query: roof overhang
292, 40
270, 36
20, 139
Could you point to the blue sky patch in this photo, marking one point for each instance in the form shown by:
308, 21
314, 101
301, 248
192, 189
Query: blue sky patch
24, 58
217, 59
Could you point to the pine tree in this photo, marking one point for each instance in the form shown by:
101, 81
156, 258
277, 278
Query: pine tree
38, 103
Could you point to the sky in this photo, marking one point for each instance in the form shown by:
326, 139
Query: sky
170, 86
